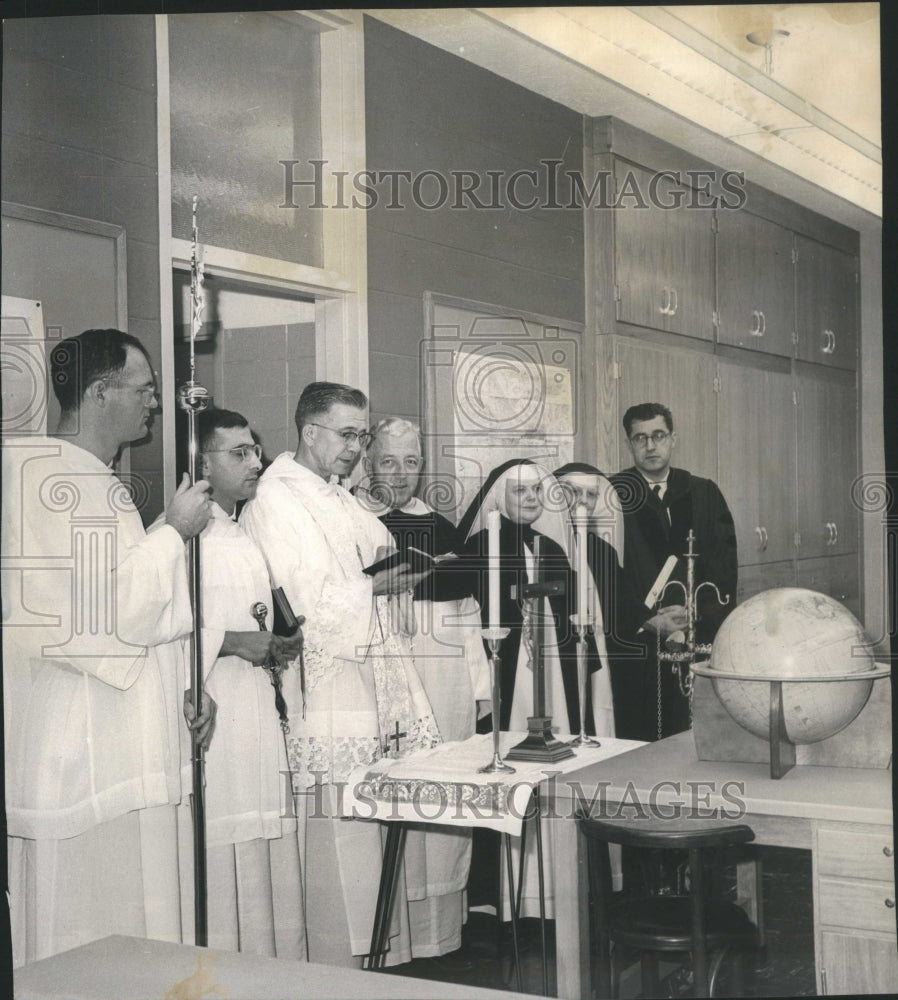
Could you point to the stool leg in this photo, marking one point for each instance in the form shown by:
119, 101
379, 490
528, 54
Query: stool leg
699, 946
514, 917
650, 985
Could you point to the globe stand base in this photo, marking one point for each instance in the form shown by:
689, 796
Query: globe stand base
782, 749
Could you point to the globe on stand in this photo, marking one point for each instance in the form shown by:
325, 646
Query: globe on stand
791, 666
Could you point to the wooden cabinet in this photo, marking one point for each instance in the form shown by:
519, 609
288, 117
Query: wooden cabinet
663, 254
827, 465
755, 283
757, 465
777, 428
854, 909
837, 576
826, 304
683, 381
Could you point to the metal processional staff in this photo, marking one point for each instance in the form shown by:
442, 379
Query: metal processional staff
193, 398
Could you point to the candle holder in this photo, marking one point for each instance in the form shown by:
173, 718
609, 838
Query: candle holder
582, 623
540, 743
682, 660
494, 637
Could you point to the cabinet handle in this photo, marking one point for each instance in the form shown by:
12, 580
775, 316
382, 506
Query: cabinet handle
763, 324
823, 981
665, 301
890, 903
676, 302
830, 533
764, 544
755, 330
887, 851
829, 344
760, 535
835, 533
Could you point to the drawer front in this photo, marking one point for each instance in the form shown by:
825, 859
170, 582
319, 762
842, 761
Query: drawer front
856, 853
862, 905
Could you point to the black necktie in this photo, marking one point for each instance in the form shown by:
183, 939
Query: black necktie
656, 489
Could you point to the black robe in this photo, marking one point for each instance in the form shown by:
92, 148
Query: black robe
649, 538
513, 572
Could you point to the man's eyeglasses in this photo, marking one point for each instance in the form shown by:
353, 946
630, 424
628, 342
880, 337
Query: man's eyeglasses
349, 437
147, 392
241, 453
641, 440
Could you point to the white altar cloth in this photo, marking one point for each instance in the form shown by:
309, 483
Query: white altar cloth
442, 785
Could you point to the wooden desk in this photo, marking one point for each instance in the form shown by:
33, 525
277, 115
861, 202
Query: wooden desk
842, 815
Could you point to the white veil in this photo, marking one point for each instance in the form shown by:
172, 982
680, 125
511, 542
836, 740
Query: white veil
553, 522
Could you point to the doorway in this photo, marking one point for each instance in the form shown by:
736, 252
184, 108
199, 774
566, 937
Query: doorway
254, 354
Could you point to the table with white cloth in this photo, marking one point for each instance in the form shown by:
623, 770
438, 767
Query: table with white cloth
443, 785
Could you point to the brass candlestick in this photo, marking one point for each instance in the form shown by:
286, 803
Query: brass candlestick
582, 624
494, 637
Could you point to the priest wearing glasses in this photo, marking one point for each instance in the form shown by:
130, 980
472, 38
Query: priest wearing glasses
361, 683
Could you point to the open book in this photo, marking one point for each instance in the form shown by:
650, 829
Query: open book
418, 561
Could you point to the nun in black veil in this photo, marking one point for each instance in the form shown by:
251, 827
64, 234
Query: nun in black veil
533, 507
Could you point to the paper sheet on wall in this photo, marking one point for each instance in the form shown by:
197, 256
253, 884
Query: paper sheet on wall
508, 408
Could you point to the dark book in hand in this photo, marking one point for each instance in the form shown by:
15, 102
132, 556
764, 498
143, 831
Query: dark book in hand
284, 621
417, 560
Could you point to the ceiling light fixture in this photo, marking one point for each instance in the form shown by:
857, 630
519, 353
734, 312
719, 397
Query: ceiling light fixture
766, 39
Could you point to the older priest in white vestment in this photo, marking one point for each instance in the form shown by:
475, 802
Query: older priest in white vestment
360, 681
450, 659
94, 610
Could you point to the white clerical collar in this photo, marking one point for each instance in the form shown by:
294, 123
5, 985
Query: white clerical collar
377, 507
220, 514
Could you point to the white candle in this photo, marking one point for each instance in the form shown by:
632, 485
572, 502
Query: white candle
492, 530
583, 574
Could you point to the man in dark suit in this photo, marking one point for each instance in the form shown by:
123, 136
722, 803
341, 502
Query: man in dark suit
661, 505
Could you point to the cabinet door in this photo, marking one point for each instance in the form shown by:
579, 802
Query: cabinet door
833, 575
740, 420
852, 965
776, 473
764, 576
826, 304
827, 466
682, 380
664, 257
755, 283
756, 460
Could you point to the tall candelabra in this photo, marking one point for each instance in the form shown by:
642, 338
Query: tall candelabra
682, 659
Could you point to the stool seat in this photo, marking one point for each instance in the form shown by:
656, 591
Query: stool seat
664, 923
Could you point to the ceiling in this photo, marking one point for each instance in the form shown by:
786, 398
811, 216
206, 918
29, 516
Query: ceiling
809, 128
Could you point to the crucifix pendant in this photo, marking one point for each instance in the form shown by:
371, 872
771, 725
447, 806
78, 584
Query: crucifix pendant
394, 738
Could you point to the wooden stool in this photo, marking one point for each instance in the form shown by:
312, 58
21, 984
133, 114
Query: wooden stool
696, 922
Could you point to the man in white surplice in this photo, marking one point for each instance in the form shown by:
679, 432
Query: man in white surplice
253, 864
450, 660
94, 613
360, 682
